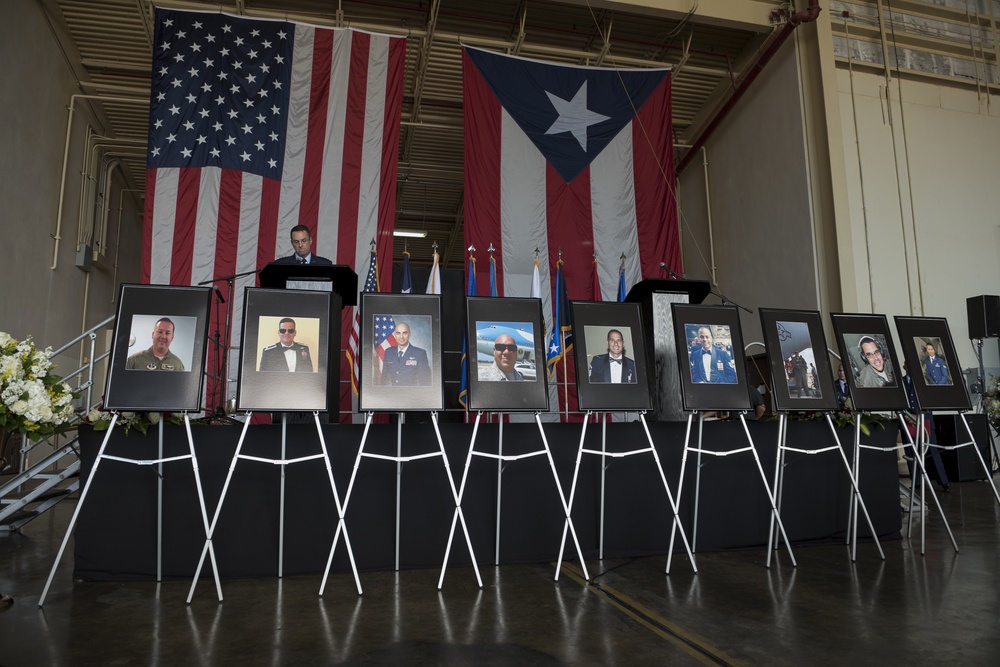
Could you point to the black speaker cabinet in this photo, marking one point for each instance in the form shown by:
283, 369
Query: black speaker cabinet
984, 316
962, 465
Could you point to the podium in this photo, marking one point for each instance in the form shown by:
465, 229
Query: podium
655, 296
342, 283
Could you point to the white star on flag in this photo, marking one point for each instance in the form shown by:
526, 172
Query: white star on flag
574, 116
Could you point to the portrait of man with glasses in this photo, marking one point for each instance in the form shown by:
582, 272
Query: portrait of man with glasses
876, 368
286, 355
504, 359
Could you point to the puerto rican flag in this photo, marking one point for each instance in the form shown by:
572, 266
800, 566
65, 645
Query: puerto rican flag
576, 162
257, 126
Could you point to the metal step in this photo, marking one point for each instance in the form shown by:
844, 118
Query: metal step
32, 492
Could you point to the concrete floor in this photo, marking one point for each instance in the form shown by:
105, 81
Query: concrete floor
941, 607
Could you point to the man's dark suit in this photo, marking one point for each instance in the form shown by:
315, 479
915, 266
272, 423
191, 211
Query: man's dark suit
273, 358
409, 370
294, 259
600, 369
721, 369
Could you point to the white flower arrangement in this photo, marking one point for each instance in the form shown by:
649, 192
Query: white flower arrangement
34, 401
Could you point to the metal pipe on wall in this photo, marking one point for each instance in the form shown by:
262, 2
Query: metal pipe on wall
708, 217
57, 233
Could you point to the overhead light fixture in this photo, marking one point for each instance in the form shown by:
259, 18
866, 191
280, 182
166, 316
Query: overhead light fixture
409, 235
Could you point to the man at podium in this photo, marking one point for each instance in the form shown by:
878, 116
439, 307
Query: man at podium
302, 245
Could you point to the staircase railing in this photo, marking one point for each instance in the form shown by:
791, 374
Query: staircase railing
37, 487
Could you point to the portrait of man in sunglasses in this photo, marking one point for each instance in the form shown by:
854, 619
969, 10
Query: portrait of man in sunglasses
504, 357
286, 355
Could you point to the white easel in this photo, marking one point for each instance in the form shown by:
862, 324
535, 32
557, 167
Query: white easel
779, 477
341, 526
500, 457
920, 447
603, 453
159, 461
398, 459
776, 516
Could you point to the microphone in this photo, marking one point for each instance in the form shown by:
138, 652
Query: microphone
672, 274
218, 293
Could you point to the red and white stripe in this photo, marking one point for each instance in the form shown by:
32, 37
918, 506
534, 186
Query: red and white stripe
623, 202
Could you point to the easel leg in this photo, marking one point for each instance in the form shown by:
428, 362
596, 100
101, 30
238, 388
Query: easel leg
676, 526
697, 477
341, 525
680, 491
779, 464
201, 502
218, 509
572, 491
458, 505
562, 498
76, 512
854, 486
767, 489
281, 497
454, 518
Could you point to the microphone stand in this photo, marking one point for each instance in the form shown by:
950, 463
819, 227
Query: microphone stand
219, 411
726, 301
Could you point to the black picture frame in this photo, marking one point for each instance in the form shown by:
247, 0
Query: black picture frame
915, 334
859, 335
521, 318
263, 386
130, 384
726, 386
423, 389
593, 322
793, 338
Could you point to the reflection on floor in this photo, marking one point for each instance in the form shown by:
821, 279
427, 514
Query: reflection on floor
937, 608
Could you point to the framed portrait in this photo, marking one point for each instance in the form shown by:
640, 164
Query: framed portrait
159, 347
400, 353
284, 354
611, 359
932, 363
710, 357
505, 355
801, 378
870, 361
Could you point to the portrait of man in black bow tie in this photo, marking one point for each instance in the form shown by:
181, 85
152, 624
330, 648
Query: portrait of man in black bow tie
613, 367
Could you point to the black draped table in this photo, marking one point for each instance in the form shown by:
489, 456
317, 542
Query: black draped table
116, 532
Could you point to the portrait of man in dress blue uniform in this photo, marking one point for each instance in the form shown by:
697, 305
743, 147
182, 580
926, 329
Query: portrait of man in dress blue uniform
710, 361
935, 366
405, 365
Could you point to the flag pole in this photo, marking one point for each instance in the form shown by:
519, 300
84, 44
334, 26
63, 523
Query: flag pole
565, 381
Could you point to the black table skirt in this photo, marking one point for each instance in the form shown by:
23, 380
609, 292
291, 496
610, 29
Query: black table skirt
115, 538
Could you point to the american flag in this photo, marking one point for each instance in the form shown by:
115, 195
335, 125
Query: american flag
383, 338
256, 126
371, 285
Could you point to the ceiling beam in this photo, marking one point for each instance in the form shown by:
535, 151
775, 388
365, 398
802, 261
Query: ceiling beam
738, 14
